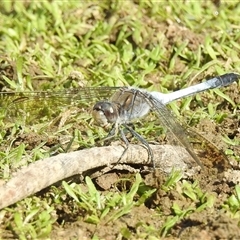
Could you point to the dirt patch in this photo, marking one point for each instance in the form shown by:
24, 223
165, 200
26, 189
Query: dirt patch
211, 223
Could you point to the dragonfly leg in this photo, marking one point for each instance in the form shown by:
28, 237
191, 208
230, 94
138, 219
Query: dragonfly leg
113, 133
143, 141
115, 130
123, 136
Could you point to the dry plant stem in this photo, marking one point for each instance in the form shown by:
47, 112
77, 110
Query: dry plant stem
43, 173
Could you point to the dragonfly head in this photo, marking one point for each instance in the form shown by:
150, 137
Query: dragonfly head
105, 113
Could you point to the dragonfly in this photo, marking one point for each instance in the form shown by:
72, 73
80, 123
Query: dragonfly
130, 103
121, 106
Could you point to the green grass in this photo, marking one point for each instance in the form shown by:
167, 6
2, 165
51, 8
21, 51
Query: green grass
65, 44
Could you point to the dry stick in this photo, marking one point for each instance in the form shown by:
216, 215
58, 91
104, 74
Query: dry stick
43, 173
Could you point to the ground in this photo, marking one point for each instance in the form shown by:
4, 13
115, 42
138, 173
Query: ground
201, 206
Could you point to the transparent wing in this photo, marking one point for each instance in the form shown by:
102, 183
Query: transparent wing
49, 120
39, 103
75, 94
212, 156
170, 122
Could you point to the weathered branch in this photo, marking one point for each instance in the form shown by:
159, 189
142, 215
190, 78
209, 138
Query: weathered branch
43, 173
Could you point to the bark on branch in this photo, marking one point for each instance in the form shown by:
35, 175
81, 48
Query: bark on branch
43, 173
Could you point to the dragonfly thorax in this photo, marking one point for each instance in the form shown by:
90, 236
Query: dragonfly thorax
105, 113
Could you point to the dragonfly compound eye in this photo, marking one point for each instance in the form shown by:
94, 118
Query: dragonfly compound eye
104, 113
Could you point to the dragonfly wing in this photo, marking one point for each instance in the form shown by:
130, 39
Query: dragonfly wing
206, 148
77, 94
14, 102
172, 125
